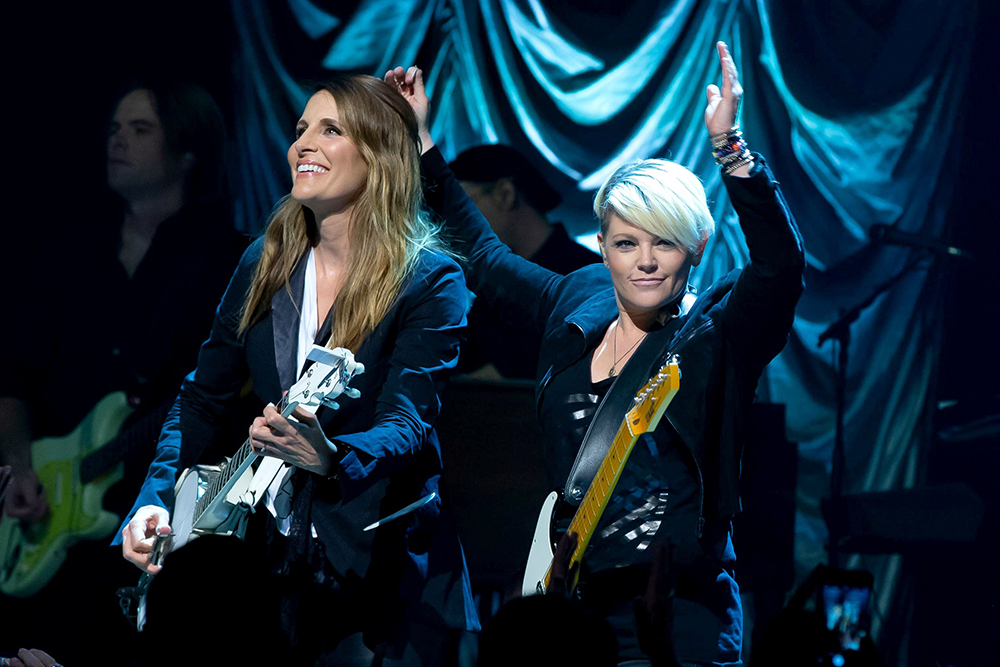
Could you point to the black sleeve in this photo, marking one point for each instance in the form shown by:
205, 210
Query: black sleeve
760, 309
524, 291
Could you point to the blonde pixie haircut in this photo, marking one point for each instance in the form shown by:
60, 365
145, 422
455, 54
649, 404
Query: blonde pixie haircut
660, 197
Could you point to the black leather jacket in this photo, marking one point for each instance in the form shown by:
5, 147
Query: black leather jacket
726, 339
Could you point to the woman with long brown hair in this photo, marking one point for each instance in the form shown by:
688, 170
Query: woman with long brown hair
349, 260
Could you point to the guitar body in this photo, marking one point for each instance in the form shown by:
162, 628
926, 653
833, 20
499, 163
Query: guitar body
225, 519
32, 554
217, 499
648, 408
227, 513
185, 497
541, 554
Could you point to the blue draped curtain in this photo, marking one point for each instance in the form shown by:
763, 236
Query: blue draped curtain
855, 104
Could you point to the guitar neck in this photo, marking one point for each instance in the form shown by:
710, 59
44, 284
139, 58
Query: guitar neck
241, 460
326, 378
650, 405
140, 434
594, 502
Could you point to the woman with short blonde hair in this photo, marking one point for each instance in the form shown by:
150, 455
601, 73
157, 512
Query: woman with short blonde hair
679, 487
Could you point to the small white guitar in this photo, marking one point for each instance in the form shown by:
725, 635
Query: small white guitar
217, 499
647, 410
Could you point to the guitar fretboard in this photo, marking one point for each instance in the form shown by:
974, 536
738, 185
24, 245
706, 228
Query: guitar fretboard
650, 405
236, 465
589, 513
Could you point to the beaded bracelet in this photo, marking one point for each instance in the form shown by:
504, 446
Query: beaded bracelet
729, 169
727, 138
730, 150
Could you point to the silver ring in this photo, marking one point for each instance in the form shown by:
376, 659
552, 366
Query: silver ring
263, 448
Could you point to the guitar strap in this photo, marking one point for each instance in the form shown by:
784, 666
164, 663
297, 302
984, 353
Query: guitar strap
616, 403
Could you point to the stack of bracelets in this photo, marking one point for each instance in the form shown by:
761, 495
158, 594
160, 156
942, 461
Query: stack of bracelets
730, 151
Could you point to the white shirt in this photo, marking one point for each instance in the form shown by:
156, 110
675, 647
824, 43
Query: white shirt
278, 498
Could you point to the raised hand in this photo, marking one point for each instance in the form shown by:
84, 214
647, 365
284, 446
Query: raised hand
300, 442
720, 114
410, 84
562, 576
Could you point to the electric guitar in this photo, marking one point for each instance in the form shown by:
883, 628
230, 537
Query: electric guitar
76, 471
210, 503
217, 499
647, 410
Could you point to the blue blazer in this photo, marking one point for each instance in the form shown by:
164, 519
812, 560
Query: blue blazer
414, 565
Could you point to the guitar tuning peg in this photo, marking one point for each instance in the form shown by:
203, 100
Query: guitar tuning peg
352, 392
333, 405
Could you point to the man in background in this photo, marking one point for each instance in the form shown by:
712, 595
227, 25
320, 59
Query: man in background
515, 198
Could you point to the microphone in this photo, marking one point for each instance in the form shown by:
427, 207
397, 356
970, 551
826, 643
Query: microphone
888, 235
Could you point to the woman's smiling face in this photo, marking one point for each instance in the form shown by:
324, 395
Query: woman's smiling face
648, 272
328, 172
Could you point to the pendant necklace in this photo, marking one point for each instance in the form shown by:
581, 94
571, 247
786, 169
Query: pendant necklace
614, 349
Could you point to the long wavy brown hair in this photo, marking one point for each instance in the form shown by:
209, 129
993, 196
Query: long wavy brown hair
389, 226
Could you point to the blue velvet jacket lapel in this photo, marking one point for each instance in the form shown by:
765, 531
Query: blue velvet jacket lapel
285, 310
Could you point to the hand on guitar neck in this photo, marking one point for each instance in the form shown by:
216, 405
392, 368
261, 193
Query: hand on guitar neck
25, 497
298, 440
139, 538
565, 572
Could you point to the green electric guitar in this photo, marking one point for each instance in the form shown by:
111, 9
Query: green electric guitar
76, 471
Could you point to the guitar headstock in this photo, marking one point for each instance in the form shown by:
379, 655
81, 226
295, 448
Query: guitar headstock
327, 378
652, 400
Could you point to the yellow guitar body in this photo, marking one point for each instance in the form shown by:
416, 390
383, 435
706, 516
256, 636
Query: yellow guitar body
31, 554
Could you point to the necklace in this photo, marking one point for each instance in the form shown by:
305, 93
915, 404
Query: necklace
614, 349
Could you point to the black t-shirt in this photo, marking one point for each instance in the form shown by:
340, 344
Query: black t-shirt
90, 329
656, 500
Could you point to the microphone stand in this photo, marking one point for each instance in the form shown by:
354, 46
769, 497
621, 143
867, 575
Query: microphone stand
834, 508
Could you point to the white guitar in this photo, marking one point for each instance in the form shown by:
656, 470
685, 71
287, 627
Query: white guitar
217, 499
647, 410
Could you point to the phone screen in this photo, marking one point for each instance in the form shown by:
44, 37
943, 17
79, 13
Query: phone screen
846, 610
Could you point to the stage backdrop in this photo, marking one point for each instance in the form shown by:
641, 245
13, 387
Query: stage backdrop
854, 104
